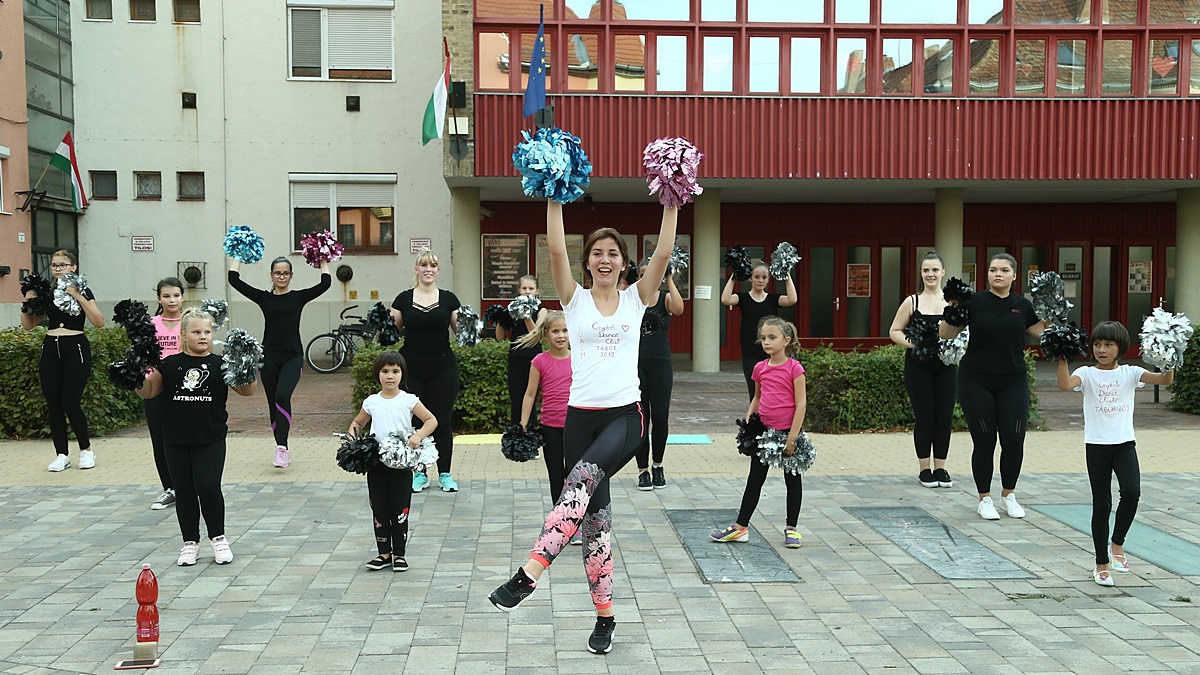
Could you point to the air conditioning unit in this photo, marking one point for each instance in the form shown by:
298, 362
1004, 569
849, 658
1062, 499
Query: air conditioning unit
194, 274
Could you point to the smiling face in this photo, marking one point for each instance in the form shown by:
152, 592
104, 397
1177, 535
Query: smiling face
390, 377
932, 273
557, 334
1001, 276
427, 272
60, 265
197, 337
281, 275
170, 298
605, 262
759, 277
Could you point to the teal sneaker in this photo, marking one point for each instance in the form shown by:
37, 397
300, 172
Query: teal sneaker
420, 480
447, 483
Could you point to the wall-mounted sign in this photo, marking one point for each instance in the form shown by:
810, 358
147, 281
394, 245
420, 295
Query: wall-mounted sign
142, 244
504, 261
416, 245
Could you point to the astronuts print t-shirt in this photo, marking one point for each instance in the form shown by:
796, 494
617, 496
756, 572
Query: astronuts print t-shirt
194, 392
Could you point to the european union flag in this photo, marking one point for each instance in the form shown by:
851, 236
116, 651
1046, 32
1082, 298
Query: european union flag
535, 90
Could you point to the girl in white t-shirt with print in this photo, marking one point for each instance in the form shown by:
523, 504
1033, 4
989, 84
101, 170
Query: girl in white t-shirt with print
1108, 394
604, 418
390, 490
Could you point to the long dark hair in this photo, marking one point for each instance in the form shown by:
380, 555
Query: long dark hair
602, 233
166, 282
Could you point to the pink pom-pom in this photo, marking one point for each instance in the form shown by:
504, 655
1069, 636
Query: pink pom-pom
321, 246
671, 165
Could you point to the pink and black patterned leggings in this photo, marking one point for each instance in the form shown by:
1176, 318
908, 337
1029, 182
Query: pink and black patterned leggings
597, 443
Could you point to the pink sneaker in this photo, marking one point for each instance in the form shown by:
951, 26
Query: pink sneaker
282, 457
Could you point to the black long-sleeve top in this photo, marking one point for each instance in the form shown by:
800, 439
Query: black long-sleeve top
281, 313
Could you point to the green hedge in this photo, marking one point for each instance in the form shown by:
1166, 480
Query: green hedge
482, 405
23, 409
1185, 389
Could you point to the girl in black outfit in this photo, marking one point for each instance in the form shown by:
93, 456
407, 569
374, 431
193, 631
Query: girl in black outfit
166, 332
283, 353
194, 392
756, 304
993, 385
657, 378
428, 315
930, 383
520, 358
66, 364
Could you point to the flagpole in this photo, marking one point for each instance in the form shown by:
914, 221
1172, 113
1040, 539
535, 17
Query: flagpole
453, 101
39, 180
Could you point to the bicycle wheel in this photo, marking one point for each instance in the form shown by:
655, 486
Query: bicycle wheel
325, 353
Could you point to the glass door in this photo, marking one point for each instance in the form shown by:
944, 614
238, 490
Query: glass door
1071, 267
839, 291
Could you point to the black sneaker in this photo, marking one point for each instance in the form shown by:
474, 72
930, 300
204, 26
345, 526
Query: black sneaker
644, 482
659, 480
601, 640
513, 592
927, 479
378, 563
943, 478
399, 564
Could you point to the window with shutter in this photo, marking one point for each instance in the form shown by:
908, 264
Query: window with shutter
361, 214
306, 43
360, 44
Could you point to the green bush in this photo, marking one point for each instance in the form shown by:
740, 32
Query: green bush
864, 391
482, 405
23, 409
1185, 389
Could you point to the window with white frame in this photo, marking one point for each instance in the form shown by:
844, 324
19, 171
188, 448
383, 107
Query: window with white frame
357, 208
341, 40
4, 155
99, 9
142, 10
187, 11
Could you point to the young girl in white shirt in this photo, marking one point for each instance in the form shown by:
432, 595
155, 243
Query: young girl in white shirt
1108, 396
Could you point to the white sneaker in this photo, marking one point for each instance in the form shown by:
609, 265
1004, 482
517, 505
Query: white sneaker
60, 462
221, 550
987, 510
187, 554
1010, 504
87, 459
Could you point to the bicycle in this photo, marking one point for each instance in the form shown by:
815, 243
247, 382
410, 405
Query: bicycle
328, 352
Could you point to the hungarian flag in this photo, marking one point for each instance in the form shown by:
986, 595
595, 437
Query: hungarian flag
435, 110
64, 160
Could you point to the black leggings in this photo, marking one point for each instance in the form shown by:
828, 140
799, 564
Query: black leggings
1102, 462
754, 485
657, 381
931, 388
64, 368
434, 380
995, 405
196, 474
156, 410
748, 363
519, 362
556, 465
280, 374
390, 492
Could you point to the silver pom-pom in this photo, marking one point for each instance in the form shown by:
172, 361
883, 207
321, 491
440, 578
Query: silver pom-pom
1164, 339
218, 309
951, 351
241, 359
679, 260
783, 260
770, 452
523, 307
1046, 292
63, 300
469, 327
396, 453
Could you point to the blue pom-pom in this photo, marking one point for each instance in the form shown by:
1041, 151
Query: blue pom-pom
243, 244
552, 165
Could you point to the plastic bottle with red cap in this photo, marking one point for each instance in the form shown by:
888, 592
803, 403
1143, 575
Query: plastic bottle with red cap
147, 598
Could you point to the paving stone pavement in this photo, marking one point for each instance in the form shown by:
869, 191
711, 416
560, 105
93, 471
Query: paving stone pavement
297, 598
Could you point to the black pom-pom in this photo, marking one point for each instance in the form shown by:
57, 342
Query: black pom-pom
1062, 340
631, 275
520, 444
128, 374
498, 315
956, 315
127, 311
738, 262
957, 290
359, 454
924, 337
380, 319
653, 323
40, 304
748, 433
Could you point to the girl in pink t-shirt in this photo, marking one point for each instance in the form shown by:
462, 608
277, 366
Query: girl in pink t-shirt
552, 371
779, 399
166, 332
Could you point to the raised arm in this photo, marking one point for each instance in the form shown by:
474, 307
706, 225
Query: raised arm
1036, 329
560, 263
1163, 378
791, 297
674, 303
31, 321
729, 293
657, 267
1067, 381
903, 316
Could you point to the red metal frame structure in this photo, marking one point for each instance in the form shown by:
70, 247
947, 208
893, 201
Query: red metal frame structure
1094, 33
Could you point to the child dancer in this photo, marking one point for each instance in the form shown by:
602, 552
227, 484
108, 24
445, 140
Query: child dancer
1108, 390
166, 332
551, 370
194, 417
780, 400
522, 351
390, 490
